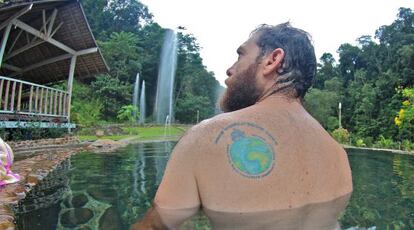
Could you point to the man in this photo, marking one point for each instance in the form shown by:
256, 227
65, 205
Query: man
264, 162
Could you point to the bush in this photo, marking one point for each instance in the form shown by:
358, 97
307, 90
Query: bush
386, 143
21, 134
86, 113
341, 135
86, 108
407, 145
360, 143
128, 113
369, 141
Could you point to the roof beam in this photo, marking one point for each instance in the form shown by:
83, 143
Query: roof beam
43, 63
52, 21
24, 48
4, 42
16, 15
49, 31
87, 51
43, 36
14, 42
11, 67
52, 60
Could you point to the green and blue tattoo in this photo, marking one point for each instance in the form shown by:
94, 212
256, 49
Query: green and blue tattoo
251, 155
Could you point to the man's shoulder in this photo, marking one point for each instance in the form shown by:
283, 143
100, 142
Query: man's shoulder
213, 123
204, 131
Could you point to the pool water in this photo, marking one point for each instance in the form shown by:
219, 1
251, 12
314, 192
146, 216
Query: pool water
112, 191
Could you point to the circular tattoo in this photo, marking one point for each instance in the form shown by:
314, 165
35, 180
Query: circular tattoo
250, 155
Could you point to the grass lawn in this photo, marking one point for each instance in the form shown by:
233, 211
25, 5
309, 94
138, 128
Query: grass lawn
141, 133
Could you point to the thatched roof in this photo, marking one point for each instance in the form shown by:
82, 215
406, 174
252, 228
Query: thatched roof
46, 63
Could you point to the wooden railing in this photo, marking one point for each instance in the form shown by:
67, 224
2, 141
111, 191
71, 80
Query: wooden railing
22, 97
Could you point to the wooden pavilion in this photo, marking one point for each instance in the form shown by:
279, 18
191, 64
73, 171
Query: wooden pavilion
43, 43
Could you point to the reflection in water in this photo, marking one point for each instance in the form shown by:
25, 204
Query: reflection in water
112, 191
320, 216
383, 195
43, 201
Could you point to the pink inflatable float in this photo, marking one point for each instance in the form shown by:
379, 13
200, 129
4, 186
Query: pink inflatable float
6, 161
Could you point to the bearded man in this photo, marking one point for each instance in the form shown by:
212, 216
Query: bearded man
265, 163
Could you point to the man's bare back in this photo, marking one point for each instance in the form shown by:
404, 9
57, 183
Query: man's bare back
265, 155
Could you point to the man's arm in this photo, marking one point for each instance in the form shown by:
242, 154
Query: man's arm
151, 221
177, 197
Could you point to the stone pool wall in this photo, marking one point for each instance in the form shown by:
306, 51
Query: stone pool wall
34, 160
396, 151
32, 170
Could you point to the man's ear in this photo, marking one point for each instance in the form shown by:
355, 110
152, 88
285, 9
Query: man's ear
273, 61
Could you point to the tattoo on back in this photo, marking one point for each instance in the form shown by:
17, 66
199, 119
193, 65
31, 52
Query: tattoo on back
250, 149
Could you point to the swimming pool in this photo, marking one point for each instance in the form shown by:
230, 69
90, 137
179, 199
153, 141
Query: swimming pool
110, 191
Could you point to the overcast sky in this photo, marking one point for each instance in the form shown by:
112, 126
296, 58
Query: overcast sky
220, 26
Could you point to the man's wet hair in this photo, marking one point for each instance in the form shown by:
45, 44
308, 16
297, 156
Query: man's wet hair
299, 64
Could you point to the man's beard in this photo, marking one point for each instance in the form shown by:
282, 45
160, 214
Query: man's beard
243, 92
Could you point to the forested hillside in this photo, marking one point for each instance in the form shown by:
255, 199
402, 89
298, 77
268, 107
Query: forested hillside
131, 41
369, 80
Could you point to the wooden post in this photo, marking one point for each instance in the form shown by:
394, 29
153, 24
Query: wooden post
4, 42
6, 100
70, 84
19, 98
64, 104
51, 102
60, 103
36, 99
30, 99
55, 104
12, 96
46, 105
1, 91
41, 101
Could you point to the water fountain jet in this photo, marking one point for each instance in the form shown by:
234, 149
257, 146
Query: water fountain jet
166, 75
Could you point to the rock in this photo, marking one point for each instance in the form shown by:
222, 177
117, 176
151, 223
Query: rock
99, 133
110, 220
79, 200
103, 145
74, 217
108, 195
78, 186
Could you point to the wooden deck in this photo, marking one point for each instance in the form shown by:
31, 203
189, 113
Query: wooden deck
24, 104
43, 42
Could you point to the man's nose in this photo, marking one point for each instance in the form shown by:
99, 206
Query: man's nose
229, 72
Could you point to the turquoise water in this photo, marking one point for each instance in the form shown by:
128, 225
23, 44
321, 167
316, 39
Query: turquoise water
111, 191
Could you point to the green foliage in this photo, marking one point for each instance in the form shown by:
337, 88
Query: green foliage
85, 108
31, 132
341, 135
405, 117
386, 143
188, 106
127, 112
369, 141
407, 145
106, 17
113, 93
191, 96
122, 55
131, 42
367, 81
360, 143
86, 113
322, 105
